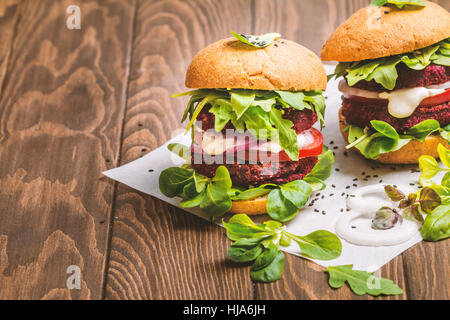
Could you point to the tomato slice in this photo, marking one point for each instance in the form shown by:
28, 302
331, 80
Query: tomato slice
314, 148
436, 100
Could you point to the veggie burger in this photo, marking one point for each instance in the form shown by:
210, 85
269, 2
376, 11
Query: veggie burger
254, 149
394, 57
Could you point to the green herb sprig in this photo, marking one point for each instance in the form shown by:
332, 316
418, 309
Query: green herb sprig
437, 223
261, 242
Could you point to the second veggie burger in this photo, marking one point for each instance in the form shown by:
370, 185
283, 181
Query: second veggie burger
395, 60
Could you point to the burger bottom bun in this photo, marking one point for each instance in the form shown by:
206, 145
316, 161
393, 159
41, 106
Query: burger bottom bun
408, 154
250, 207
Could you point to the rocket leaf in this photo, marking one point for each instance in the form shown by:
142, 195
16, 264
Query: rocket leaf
361, 282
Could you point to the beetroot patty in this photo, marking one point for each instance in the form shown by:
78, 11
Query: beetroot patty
361, 113
252, 174
408, 78
302, 120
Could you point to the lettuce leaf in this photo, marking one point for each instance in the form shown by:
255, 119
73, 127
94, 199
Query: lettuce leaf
255, 110
383, 70
383, 138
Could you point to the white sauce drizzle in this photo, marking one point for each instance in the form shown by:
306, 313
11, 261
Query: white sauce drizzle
403, 102
216, 143
366, 201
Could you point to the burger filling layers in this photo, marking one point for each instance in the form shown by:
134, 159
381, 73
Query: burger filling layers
389, 101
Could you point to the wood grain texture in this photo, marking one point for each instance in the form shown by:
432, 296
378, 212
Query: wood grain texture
9, 14
158, 251
427, 271
61, 115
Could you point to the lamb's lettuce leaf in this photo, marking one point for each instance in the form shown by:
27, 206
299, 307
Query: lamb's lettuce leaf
383, 138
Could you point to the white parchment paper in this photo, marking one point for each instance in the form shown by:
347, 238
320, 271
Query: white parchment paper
350, 172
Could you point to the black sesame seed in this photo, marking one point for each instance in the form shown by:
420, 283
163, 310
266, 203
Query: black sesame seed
342, 194
356, 179
331, 194
346, 153
347, 187
352, 195
355, 185
151, 170
331, 142
353, 227
342, 210
347, 209
334, 186
337, 169
380, 181
315, 210
322, 197
335, 147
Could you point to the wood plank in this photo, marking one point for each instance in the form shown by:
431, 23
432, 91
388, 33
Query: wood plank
60, 123
9, 14
158, 251
427, 270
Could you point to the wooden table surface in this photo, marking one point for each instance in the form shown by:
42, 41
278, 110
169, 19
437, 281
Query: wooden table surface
74, 103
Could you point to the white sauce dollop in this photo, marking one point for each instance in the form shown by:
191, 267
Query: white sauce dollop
403, 102
366, 201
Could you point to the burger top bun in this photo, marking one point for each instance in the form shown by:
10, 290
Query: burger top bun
283, 65
375, 32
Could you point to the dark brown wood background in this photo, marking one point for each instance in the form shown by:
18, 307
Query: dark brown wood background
76, 102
